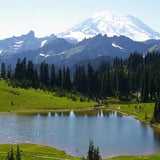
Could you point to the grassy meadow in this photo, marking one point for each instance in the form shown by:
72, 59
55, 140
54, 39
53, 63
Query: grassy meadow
142, 111
18, 99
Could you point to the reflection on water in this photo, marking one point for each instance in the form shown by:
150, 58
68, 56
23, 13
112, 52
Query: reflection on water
112, 132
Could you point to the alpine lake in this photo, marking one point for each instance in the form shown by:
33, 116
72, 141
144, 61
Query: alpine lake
114, 133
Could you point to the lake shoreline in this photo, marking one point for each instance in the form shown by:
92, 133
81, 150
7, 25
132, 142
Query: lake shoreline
45, 111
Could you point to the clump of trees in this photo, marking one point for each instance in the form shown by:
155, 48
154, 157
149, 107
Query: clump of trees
93, 153
156, 113
14, 155
138, 74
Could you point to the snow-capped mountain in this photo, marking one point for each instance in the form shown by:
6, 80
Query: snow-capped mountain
14, 44
111, 23
22, 43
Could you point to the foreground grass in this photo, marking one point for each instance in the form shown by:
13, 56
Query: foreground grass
35, 152
18, 99
38, 152
150, 157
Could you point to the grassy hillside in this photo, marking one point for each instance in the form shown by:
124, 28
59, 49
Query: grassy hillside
38, 152
17, 99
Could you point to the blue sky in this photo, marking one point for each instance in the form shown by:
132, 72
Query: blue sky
53, 16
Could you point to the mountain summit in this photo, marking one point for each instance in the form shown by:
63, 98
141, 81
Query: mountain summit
111, 24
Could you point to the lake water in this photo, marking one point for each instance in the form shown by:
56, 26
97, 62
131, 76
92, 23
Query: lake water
114, 134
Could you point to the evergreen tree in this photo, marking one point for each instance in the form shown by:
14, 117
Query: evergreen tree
106, 84
96, 154
23, 69
18, 154
80, 79
67, 83
52, 76
9, 72
10, 155
41, 75
30, 71
90, 79
90, 155
35, 82
157, 83
152, 87
123, 85
59, 78
18, 70
44, 73
145, 86
156, 113
3, 70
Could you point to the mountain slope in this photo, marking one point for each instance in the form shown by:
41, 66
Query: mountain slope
61, 52
111, 23
22, 43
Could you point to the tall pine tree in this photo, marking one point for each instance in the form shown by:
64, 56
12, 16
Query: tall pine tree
3, 70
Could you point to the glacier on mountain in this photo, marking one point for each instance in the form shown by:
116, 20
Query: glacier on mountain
111, 24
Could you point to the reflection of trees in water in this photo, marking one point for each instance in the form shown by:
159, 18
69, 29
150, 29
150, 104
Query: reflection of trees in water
106, 113
156, 134
89, 113
119, 114
145, 129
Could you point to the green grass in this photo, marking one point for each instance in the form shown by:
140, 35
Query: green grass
35, 152
39, 152
18, 99
150, 157
142, 111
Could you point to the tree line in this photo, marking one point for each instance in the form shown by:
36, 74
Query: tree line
139, 75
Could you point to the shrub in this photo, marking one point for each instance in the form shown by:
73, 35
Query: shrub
82, 99
74, 98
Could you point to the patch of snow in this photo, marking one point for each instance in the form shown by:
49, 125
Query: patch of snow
18, 44
1, 51
117, 46
43, 43
44, 55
